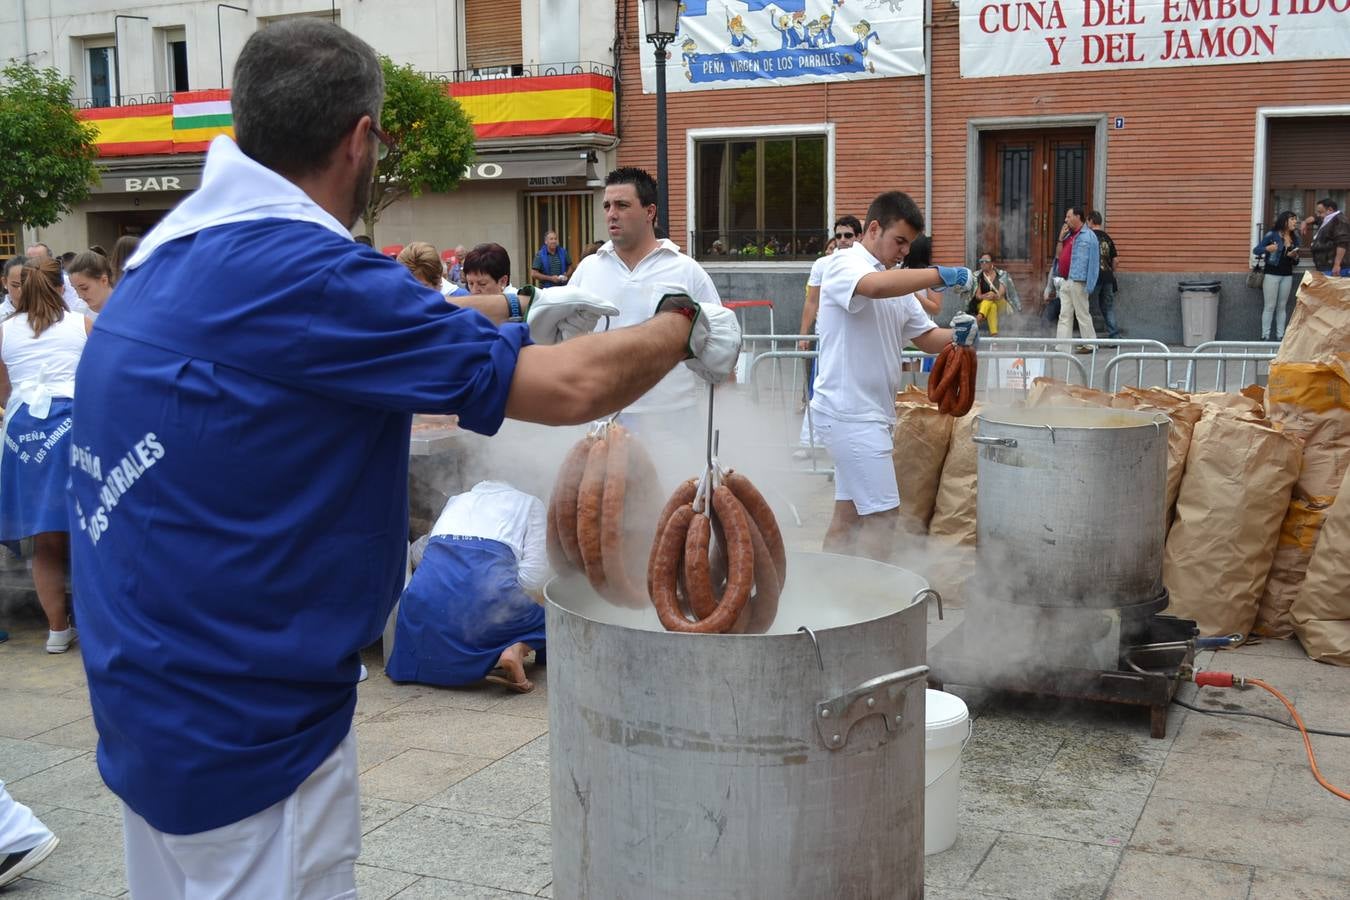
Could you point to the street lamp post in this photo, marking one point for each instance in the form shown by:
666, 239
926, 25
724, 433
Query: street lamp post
661, 18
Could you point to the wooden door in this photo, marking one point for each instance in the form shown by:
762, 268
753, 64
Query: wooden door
1029, 179
571, 215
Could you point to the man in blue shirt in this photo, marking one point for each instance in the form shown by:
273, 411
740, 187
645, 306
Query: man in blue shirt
552, 266
1076, 270
239, 471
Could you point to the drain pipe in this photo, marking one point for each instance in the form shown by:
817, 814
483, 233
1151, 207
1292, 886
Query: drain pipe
928, 114
23, 28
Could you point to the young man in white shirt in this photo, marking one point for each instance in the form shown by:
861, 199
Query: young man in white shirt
633, 270
868, 314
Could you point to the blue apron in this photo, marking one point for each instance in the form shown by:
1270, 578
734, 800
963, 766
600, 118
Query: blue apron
463, 607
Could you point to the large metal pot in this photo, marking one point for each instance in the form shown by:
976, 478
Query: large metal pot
1070, 507
787, 764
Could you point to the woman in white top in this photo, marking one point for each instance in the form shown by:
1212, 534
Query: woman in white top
91, 275
40, 346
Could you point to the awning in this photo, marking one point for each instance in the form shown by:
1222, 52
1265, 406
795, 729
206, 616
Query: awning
523, 166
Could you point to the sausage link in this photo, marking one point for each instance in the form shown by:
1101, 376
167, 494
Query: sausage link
683, 496
590, 497
697, 575
564, 505
768, 585
935, 376
557, 559
948, 382
619, 585
971, 373
662, 569
761, 514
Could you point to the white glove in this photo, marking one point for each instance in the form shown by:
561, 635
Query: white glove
564, 312
714, 339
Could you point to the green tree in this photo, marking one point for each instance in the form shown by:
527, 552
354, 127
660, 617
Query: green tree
433, 141
47, 153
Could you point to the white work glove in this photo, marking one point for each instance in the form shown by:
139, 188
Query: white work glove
714, 339
965, 330
564, 312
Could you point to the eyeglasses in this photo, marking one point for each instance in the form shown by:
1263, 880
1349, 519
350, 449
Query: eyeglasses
843, 235
386, 143
983, 261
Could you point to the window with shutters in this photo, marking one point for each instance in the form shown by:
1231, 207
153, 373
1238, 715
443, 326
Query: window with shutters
760, 198
492, 41
9, 239
1307, 159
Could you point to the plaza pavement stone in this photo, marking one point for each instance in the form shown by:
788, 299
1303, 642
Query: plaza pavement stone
506, 788
1016, 867
953, 867
452, 730
1150, 876
74, 784
374, 883
1242, 835
441, 889
1193, 776
503, 854
1046, 809
29, 713
89, 857
80, 734
19, 759
1270, 884
415, 775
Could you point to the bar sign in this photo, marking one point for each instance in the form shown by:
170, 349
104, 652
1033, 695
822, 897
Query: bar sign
547, 181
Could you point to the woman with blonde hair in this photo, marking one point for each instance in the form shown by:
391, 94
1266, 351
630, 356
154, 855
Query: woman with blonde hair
40, 346
425, 264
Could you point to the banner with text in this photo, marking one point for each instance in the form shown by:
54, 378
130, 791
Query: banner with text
1029, 37
757, 43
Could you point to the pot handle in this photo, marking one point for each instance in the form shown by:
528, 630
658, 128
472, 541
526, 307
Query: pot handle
882, 696
994, 442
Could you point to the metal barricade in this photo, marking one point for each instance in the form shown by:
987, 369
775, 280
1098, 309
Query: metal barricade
1253, 354
1189, 363
1119, 345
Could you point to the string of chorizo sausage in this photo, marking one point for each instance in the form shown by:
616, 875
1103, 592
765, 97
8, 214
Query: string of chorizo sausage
951, 383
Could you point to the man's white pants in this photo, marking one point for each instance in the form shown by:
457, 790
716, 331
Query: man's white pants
1073, 302
302, 848
20, 830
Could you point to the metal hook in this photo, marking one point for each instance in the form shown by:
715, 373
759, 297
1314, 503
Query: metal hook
815, 643
925, 594
1052, 432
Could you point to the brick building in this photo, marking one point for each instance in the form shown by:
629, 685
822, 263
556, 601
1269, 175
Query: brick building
1185, 157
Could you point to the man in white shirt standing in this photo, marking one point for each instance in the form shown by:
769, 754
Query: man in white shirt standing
633, 270
868, 314
847, 229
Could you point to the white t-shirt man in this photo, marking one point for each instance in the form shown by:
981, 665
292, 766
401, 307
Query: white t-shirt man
861, 340
497, 511
818, 271
636, 292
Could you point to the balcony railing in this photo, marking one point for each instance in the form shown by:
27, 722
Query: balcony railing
123, 100
536, 70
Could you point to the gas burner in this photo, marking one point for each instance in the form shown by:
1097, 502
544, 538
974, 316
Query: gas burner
1103, 656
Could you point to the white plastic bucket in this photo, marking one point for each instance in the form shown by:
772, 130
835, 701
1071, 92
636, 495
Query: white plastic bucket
947, 729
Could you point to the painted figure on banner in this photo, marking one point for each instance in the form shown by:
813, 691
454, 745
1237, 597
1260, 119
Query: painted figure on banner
739, 35
687, 51
865, 34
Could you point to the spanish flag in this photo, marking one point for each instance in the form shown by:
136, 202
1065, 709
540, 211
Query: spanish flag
538, 105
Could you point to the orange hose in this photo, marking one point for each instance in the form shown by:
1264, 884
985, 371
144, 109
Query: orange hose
1307, 741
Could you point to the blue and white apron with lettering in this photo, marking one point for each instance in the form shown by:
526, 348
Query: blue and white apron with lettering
35, 461
463, 607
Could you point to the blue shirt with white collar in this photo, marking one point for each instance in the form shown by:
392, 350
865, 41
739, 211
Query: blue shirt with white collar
239, 504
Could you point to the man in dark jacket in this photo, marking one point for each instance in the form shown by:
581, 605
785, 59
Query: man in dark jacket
1331, 239
1105, 295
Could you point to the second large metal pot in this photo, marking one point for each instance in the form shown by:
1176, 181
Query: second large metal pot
1070, 505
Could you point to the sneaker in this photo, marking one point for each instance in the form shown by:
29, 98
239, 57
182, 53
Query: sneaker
16, 864
60, 641
1082, 349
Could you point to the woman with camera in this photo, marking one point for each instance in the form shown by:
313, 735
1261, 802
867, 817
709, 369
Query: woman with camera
1280, 250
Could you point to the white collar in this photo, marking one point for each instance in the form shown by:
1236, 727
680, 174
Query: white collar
865, 253
234, 188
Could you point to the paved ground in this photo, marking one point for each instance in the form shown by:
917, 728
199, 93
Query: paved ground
1059, 802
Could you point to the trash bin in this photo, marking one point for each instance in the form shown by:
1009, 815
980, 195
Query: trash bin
1199, 311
